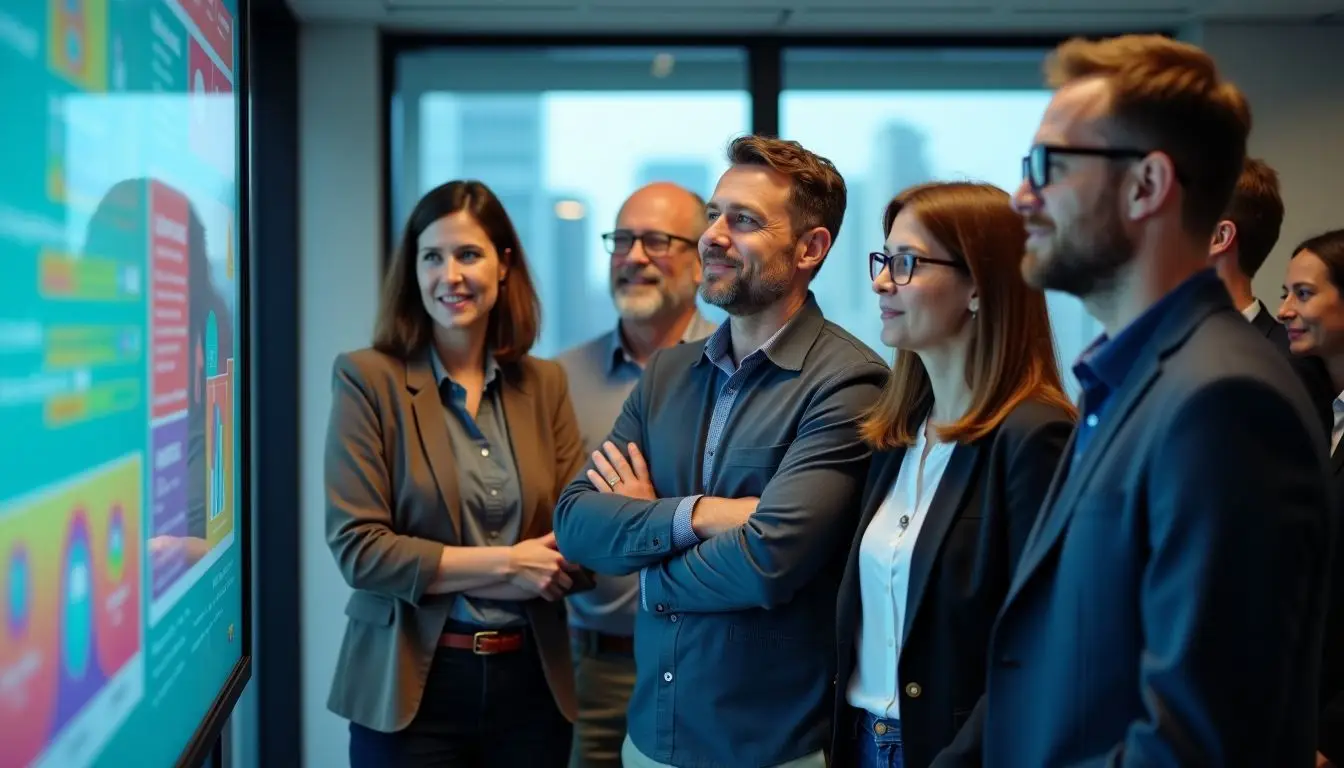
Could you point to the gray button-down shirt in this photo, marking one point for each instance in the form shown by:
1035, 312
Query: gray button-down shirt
735, 655
488, 481
601, 375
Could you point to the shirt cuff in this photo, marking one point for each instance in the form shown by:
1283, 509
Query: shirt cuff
683, 535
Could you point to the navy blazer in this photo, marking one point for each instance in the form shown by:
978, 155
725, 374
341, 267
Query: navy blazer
1169, 606
964, 558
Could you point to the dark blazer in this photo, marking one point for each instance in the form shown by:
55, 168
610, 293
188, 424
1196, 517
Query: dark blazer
1169, 606
963, 561
393, 503
1310, 369
1332, 663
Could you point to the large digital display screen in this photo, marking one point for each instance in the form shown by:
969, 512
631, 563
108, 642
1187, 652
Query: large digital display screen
121, 583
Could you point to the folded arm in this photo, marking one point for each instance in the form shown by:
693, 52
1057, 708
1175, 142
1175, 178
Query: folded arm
612, 534
807, 509
1238, 538
370, 553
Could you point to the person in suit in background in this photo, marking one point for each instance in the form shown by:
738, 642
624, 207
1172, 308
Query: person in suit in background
1313, 315
966, 437
446, 451
1169, 603
1241, 242
655, 271
730, 484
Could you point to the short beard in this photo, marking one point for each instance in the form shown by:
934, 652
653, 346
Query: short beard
745, 294
1081, 266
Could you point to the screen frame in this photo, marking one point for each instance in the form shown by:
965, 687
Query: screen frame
205, 740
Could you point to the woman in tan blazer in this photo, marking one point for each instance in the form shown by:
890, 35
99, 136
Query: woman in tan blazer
447, 448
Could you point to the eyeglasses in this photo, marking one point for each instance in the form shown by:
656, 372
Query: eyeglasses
655, 243
901, 266
1036, 164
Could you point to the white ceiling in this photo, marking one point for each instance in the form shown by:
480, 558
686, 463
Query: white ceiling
803, 17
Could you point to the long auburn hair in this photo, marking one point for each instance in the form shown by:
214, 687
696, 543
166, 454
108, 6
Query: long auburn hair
404, 328
1012, 352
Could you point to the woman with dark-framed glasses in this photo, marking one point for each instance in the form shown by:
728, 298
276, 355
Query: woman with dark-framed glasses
966, 437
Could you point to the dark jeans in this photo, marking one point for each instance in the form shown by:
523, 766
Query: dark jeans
477, 712
877, 742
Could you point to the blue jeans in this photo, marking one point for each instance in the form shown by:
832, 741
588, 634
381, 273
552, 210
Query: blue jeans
477, 712
877, 742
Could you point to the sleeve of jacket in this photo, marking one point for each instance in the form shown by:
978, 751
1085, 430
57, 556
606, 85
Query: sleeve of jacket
568, 438
806, 512
371, 555
606, 532
1239, 537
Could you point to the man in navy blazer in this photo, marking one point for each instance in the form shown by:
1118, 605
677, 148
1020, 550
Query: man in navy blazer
1168, 605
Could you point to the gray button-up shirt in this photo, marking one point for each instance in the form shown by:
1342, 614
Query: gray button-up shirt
735, 654
488, 481
601, 375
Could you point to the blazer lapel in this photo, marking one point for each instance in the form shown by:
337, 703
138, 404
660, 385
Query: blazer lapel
430, 422
947, 501
1057, 512
527, 452
886, 465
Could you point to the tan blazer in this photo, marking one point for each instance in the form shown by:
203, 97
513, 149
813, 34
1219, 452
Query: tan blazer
393, 503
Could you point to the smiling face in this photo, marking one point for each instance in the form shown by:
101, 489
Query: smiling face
645, 285
749, 252
933, 309
1313, 310
1076, 239
459, 272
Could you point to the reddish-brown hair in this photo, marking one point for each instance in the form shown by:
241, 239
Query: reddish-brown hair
1167, 96
405, 329
1012, 353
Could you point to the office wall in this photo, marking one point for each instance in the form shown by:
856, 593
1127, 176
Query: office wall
1292, 73
340, 203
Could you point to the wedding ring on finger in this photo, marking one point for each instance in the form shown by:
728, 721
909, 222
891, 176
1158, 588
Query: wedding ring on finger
613, 480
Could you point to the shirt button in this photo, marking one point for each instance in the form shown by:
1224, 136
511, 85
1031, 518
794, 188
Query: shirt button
660, 608
1091, 419
673, 617
494, 492
485, 451
656, 542
667, 677
913, 690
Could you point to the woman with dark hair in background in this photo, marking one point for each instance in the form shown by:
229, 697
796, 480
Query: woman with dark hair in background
966, 438
1313, 314
447, 448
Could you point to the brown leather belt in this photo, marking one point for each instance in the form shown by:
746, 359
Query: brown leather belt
485, 643
599, 642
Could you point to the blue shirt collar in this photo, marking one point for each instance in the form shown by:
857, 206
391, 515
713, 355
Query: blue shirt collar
617, 354
1108, 361
441, 373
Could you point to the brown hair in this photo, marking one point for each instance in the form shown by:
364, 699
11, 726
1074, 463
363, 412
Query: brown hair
404, 328
817, 197
1012, 353
1167, 96
1256, 210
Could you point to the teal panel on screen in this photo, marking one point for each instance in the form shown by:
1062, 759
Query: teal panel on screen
120, 555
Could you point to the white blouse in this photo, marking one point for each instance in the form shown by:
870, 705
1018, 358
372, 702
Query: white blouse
884, 574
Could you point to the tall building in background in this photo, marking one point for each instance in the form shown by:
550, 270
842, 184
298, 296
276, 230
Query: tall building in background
900, 160
691, 174
586, 308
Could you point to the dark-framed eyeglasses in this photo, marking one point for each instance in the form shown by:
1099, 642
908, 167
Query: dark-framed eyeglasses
1036, 164
901, 266
620, 242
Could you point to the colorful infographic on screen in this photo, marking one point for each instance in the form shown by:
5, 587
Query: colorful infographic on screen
120, 557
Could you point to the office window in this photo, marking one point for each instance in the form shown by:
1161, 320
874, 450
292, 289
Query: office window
563, 135
891, 119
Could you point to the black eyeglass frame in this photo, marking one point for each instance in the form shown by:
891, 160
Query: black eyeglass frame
880, 261
1036, 163
655, 243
